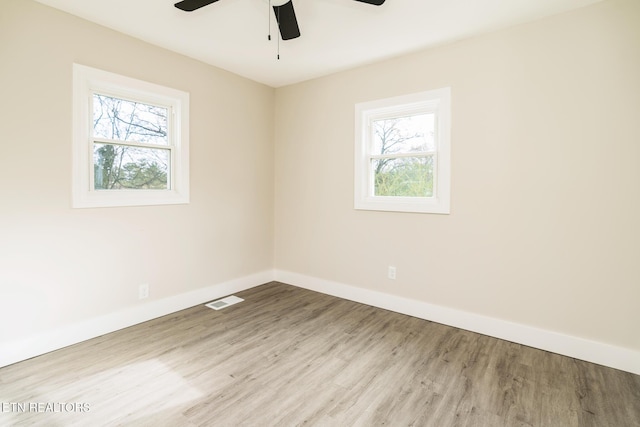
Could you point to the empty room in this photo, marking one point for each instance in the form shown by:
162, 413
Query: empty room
320, 212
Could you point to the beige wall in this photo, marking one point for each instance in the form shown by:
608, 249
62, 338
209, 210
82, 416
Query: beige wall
543, 229
60, 265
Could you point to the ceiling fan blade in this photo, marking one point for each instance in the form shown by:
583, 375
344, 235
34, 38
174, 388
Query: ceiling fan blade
373, 2
286, 17
191, 5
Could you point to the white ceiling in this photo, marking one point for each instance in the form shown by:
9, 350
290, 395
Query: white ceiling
336, 34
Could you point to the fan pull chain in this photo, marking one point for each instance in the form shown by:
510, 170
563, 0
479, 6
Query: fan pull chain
278, 55
269, 35
269, 19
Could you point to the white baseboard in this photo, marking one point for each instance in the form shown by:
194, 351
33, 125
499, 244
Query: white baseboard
35, 345
592, 351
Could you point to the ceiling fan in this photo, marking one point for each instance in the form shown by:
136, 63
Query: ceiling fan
285, 14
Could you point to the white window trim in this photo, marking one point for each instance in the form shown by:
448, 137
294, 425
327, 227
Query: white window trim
86, 81
438, 101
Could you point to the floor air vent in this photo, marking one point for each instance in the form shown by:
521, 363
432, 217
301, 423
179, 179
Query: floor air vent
224, 302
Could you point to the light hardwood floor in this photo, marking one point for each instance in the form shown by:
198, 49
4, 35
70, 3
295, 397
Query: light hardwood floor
287, 356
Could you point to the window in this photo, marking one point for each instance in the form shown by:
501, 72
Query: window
402, 156
131, 141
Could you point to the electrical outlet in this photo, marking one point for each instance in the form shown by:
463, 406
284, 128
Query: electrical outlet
143, 291
391, 273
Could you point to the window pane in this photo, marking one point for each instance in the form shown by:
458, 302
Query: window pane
412, 134
119, 167
403, 177
123, 120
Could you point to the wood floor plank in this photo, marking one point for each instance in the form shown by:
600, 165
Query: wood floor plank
288, 356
